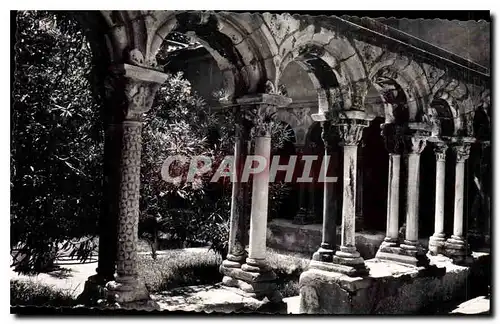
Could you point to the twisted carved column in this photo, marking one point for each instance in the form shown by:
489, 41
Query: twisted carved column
436, 241
456, 246
134, 88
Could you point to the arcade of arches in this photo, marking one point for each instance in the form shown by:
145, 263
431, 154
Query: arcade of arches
406, 126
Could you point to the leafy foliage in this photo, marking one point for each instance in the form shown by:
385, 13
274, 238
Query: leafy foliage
57, 146
35, 293
56, 137
181, 123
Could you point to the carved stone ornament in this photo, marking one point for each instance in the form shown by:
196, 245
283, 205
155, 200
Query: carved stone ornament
261, 117
136, 57
140, 96
131, 90
351, 131
432, 119
393, 135
440, 151
462, 152
271, 89
260, 109
415, 144
129, 200
468, 122
359, 89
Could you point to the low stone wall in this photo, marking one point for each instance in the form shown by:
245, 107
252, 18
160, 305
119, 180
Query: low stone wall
391, 288
284, 235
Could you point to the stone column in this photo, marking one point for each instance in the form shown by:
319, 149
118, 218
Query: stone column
437, 240
94, 286
415, 146
301, 216
237, 227
347, 259
415, 142
359, 192
134, 88
329, 229
393, 140
392, 225
255, 278
456, 246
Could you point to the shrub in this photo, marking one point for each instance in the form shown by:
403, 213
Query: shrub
34, 293
56, 136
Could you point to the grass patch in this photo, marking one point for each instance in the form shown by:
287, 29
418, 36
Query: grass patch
188, 267
178, 268
288, 267
30, 292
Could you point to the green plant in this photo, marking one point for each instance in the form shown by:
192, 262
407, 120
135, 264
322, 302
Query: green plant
33, 293
181, 123
177, 268
56, 139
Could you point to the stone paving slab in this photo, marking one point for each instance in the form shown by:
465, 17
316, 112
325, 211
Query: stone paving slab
209, 298
475, 306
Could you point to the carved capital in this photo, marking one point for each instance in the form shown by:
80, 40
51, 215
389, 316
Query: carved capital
393, 135
259, 110
415, 144
140, 96
462, 152
136, 57
440, 151
132, 90
351, 131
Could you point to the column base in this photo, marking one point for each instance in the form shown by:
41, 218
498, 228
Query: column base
457, 249
408, 254
254, 279
234, 261
324, 253
436, 243
94, 290
126, 290
349, 262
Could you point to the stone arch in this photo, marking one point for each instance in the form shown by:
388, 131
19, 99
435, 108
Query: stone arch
334, 67
127, 37
236, 49
297, 123
409, 78
459, 100
445, 109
